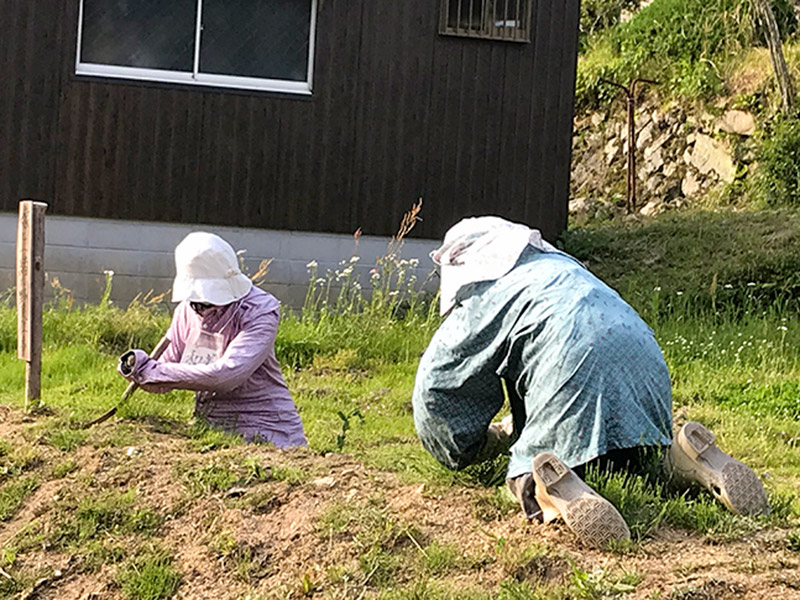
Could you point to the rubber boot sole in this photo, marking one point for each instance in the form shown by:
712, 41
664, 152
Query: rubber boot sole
694, 456
561, 493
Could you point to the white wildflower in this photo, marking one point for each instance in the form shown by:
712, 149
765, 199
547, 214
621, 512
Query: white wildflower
728, 286
414, 262
312, 265
751, 284
657, 288
108, 273
679, 293
354, 259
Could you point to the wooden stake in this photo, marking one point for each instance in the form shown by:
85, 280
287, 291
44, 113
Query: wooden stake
30, 293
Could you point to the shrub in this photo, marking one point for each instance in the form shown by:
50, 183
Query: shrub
778, 178
598, 15
676, 42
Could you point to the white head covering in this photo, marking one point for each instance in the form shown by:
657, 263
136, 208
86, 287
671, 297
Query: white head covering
207, 270
481, 249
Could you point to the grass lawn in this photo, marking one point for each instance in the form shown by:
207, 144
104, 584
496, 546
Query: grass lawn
150, 505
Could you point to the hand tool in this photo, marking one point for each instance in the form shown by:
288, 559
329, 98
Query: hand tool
132, 386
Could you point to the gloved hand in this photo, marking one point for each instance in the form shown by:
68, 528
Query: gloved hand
499, 439
131, 362
506, 426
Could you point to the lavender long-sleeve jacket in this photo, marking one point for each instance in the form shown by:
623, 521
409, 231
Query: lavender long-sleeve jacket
243, 390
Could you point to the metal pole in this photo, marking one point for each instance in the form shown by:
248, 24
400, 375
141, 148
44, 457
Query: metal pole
30, 293
630, 200
630, 98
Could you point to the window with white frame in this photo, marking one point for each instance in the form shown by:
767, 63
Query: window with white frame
246, 44
488, 19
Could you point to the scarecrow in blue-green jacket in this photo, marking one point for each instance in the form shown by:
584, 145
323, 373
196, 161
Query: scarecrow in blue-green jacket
585, 378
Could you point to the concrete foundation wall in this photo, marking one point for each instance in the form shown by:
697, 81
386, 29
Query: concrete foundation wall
79, 250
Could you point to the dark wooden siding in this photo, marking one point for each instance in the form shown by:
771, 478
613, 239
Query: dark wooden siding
398, 112
30, 53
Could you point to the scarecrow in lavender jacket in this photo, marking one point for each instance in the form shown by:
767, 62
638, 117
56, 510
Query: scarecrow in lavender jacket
222, 346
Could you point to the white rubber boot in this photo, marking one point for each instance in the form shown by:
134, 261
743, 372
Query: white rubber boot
561, 493
694, 456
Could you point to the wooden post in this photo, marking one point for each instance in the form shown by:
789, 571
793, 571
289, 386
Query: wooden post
30, 292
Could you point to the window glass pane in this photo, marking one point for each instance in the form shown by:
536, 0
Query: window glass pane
256, 38
153, 34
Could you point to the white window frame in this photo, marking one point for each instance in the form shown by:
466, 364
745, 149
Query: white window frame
196, 77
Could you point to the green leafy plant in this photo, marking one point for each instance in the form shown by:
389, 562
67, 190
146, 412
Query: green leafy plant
793, 540
248, 562
13, 494
342, 437
441, 558
64, 468
149, 576
290, 475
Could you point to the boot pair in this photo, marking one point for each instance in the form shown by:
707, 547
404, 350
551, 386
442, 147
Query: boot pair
693, 458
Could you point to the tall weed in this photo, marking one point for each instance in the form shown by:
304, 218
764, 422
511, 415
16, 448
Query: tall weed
105, 326
391, 318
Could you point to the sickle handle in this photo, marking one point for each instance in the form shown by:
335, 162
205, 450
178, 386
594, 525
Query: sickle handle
155, 355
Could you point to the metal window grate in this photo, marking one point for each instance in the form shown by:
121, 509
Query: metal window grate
488, 19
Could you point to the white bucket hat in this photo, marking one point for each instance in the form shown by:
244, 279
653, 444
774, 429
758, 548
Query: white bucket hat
207, 270
481, 249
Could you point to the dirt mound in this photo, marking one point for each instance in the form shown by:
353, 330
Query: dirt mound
132, 512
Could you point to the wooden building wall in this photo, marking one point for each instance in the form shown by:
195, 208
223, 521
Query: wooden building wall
398, 112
